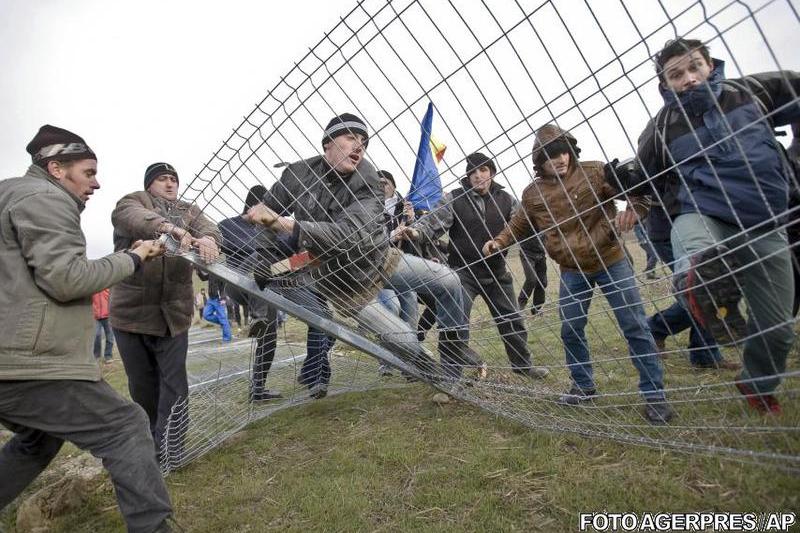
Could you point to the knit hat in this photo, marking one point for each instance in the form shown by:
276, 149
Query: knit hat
57, 144
254, 196
387, 176
157, 169
478, 160
345, 123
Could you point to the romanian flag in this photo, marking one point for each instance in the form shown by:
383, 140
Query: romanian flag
426, 186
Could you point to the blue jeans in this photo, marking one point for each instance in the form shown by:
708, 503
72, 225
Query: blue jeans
102, 327
671, 321
647, 246
403, 304
215, 312
414, 274
619, 288
316, 368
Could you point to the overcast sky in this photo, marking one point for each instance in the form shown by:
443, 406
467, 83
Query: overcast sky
168, 81
143, 81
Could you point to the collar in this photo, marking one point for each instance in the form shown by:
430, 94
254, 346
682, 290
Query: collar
700, 99
35, 171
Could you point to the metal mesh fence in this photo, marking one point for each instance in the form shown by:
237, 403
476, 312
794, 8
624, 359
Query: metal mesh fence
696, 374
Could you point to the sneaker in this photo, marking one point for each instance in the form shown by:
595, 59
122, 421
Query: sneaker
264, 395
535, 372
766, 404
576, 396
318, 391
658, 412
713, 294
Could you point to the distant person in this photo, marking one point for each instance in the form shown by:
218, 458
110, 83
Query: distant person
200, 300
102, 327
216, 309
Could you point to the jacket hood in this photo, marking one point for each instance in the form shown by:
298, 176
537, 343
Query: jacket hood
699, 99
548, 134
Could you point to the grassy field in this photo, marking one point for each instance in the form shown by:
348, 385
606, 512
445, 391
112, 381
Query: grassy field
390, 460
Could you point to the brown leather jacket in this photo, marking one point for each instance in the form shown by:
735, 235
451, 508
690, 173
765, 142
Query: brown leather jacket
158, 299
572, 215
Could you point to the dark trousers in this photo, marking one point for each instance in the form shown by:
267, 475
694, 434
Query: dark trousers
703, 348
535, 268
91, 415
102, 327
498, 293
264, 329
156, 369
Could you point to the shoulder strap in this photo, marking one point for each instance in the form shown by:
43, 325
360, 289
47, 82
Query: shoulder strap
660, 126
759, 98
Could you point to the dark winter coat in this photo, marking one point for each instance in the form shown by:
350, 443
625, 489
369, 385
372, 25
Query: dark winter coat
158, 299
712, 149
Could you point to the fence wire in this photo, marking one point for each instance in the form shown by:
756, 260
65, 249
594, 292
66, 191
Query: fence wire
496, 73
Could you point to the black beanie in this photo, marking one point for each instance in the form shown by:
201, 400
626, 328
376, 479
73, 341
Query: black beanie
478, 160
254, 196
345, 123
387, 176
157, 169
57, 144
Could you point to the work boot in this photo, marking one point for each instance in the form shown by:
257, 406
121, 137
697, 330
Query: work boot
577, 396
658, 412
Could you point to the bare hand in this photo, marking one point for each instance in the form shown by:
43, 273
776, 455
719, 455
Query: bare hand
626, 220
261, 214
406, 233
491, 247
147, 250
207, 248
183, 237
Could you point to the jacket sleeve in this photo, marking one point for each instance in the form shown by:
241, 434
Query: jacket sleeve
612, 186
776, 90
280, 197
357, 224
52, 243
200, 226
133, 219
438, 221
520, 226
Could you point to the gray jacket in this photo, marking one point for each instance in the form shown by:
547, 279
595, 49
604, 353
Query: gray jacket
340, 220
46, 297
